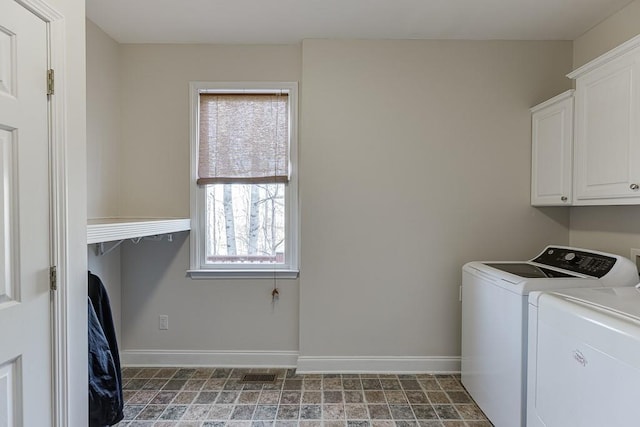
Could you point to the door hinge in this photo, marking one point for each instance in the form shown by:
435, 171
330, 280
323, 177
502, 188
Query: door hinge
50, 82
53, 277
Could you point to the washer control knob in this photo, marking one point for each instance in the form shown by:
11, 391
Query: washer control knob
570, 256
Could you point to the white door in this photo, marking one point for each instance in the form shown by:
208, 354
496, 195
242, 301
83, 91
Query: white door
25, 307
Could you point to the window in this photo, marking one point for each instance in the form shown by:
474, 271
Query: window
244, 209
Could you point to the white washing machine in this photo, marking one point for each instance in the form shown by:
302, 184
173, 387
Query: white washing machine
584, 358
494, 319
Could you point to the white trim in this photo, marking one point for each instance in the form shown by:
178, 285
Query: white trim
389, 365
196, 256
554, 100
222, 359
606, 57
243, 274
59, 218
109, 229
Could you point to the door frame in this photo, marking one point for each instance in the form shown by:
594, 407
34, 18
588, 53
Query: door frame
59, 246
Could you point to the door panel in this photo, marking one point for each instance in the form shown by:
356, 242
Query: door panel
25, 302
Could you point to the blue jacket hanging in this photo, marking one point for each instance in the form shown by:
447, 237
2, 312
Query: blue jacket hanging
105, 379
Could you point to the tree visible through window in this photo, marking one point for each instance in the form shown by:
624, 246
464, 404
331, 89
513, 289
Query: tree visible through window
245, 223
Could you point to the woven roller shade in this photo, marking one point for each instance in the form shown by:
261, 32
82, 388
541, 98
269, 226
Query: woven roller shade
244, 138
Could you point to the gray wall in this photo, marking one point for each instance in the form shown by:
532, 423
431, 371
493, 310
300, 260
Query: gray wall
608, 228
415, 160
103, 153
204, 315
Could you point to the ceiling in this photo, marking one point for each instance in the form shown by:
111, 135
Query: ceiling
289, 21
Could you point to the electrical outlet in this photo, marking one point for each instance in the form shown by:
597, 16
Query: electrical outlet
163, 322
635, 257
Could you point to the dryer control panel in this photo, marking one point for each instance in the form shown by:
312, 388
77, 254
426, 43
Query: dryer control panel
587, 263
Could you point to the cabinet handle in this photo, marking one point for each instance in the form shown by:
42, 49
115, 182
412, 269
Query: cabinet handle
563, 198
634, 187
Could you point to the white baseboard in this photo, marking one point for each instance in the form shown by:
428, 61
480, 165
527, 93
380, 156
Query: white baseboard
388, 365
220, 359
290, 359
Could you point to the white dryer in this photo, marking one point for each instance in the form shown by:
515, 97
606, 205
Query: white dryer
584, 358
495, 313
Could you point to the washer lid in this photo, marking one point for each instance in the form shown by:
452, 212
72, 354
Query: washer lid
528, 270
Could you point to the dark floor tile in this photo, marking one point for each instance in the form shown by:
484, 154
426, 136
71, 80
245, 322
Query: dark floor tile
459, 397
135, 384
401, 412
248, 397
424, 412
214, 424
151, 412
194, 385
164, 397
184, 374
446, 412
174, 384
375, 396
142, 397
410, 384
265, 412
130, 372
333, 411
233, 384
353, 396
379, 412
203, 373
132, 411
206, 397
390, 384
371, 384
351, 423
406, 423
196, 412
417, 397
292, 385
438, 397
289, 397
227, 396
214, 384
221, 373
184, 397
332, 396
220, 412
243, 412
352, 384
173, 412
310, 412
288, 412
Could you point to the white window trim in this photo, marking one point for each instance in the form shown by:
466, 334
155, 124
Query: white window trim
290, 268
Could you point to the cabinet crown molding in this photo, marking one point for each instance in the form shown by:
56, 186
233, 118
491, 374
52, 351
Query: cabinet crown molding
606, 57
564, 95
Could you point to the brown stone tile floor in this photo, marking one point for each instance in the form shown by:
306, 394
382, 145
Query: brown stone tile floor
208, 397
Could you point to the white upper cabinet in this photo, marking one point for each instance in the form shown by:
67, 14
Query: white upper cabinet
551, 151
607, 128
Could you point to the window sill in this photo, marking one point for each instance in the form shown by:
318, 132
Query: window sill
243, 274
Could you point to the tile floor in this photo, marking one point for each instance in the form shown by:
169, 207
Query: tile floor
207, 397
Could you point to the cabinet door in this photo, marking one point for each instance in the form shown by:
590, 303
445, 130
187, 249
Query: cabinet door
551, 151
607, 151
